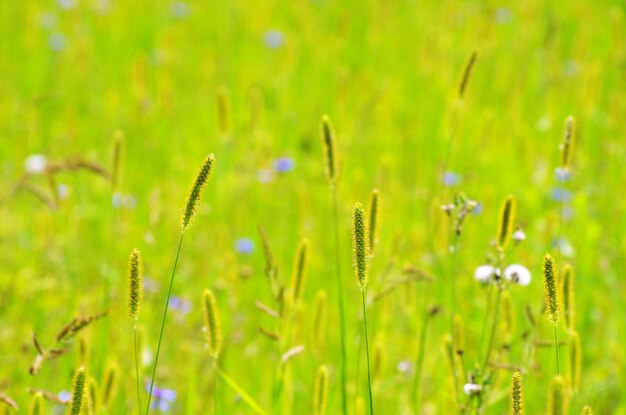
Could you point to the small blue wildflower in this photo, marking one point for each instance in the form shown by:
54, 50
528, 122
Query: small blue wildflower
64, 396
451, 179
273, 39
284, 164
561, 174
57, 42
561, 195
180, 304
478, 209
163, 398
244, 246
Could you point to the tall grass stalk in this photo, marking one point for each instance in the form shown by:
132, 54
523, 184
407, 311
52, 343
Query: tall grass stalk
367, 352
189, 211
331, 167
419, 360
361, 265
135, 300
167, 303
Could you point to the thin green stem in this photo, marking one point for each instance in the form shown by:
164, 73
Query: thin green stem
240, 391
556, 348
215, 386
484, 328
167, 304
342, 320
137, 368
494, 326
454, 247
367, 349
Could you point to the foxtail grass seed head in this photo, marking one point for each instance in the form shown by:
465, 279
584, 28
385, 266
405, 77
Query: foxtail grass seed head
575, 361
78, 392
92, 392
328, 143
223, 109
373, 223
117, 158
36, 405
557, 397
517, 394
508, 316
320, 398
135, 284
109, 386
319, 318
467, 73
360, 248
567, 145
568, 296
587, 410
299, 271
195, 194
506, 222
550, 278
212, 323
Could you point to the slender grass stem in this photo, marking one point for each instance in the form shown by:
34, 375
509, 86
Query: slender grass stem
215, 386
454, 248
137, 368
481, 341
494, 326
342, 320
240, 391
367, 350
167, 304
556, 348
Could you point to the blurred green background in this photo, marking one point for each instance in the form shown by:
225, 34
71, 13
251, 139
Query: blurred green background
73, 72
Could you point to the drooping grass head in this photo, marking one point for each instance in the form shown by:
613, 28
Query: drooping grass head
110, 383
567, 146
135, 284
320, 398
550, 278
467, 73
373, 224
506, 222
328, 143
195, 194
299, 271
212, 323
360, 248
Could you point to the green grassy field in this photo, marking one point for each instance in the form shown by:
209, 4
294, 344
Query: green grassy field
249, 81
